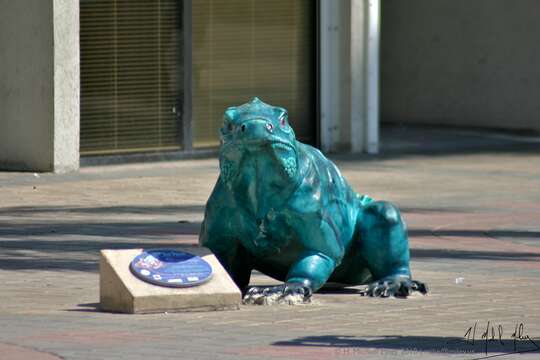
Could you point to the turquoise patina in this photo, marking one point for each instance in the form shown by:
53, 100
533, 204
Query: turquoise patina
282, 208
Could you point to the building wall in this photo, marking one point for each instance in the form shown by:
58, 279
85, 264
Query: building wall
461, 62
26, 85
39, 85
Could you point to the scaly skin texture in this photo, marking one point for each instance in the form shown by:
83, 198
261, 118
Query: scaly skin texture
282, 208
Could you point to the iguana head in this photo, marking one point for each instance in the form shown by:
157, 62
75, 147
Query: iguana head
257, 132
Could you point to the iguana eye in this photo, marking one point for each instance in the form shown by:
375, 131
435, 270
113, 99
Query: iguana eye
282, 121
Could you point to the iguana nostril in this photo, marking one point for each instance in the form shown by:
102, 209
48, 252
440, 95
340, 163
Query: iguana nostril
269, 127
243, 128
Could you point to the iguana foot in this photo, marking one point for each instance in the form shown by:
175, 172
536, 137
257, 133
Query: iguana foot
290, 294
398, 286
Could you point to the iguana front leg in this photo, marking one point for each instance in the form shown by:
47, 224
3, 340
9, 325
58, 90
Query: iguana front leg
238, 265
306, 276
229, 251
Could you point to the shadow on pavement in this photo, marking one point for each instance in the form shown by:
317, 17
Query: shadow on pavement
68, 255
473, 255
75, 246
399, 141
19, 221
128, 209
129, 229
411, 345
86, 307
82, 255
477, 233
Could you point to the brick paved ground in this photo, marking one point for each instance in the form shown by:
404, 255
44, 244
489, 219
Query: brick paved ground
472, 202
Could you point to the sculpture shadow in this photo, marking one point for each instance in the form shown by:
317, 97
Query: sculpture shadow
86, 307
411, 345
338, 290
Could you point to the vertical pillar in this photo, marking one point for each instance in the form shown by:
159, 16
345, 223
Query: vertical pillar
66, 85
372, 76
187, 114
39, 85
334, 80
325, 67
349, 75
358, 76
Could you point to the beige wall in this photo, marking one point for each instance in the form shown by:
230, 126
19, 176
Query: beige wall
461, 62
26, 85
39, 85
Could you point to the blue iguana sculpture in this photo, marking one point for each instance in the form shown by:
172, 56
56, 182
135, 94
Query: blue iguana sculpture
282, 208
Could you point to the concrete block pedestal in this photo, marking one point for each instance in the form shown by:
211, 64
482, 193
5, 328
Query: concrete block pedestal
121, 291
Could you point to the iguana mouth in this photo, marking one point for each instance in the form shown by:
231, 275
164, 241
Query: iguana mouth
274, 142
282, 145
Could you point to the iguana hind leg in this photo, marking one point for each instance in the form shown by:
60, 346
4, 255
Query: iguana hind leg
385, 248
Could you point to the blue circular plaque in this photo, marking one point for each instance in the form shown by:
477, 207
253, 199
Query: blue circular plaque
171, 268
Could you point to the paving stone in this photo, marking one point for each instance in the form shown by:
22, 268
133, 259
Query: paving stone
473, 214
